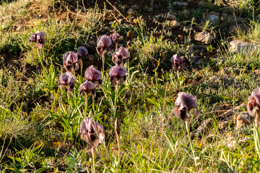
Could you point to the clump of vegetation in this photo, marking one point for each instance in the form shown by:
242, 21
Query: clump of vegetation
155, 51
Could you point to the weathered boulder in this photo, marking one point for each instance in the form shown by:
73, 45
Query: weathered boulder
238, 46
205, 37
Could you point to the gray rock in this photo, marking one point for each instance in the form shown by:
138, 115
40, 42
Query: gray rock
171, 17
237, 46
213, 19
205, 37
233, 20
198, 62
194, 58
239, 27
228, 70
175, 24
214, 13
121, 38
135, 7
243, 119
180, 4
222, 125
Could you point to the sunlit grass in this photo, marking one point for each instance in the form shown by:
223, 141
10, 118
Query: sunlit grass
42, 124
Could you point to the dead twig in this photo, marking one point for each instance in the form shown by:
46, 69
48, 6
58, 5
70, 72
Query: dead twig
6, 149
117, 11
201, 128
231, 111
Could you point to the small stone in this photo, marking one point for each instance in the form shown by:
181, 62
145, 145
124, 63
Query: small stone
213, 19
180, 37
227, 71
185, 4
222, 125
257, 72
243, 119
214, 13
233, 20
130, 35
93, 43
204, 36
194, 58
121, 38
213, 78
175, 24
180, 4
58, 134
135, 7
171, 17
19, 28
176, 3
198, 62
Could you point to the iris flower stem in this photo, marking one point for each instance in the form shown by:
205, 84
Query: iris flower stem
116, 123
178, 73
94, 157
118, 142
116, 46
81, 66
40, 57
257, 119
68, 95
127, 62
86, 102
188, 127
93, 103
103, 62
191, 144
117, 87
